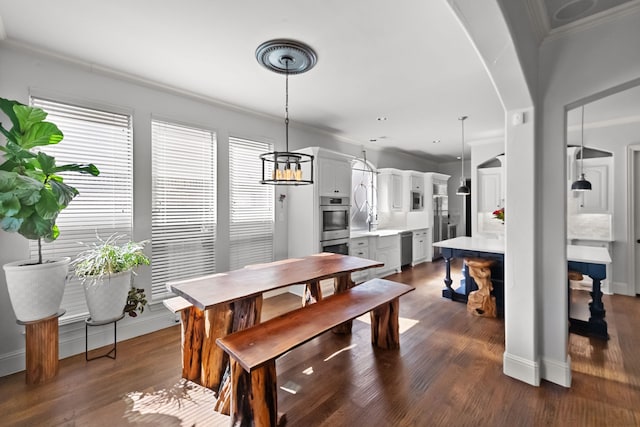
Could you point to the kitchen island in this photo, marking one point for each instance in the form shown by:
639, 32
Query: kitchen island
588, 260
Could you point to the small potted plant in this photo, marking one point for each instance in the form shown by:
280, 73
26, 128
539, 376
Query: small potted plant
32, 194
106, 268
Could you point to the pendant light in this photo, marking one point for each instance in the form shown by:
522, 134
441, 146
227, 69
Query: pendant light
286, 57
463, 190
582, 184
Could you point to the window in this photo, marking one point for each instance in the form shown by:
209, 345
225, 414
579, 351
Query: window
105, 203
183, 221
363, 205
252, 205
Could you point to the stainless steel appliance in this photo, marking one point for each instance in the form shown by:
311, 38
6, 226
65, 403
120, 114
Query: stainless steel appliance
416, 201
440, 217
406, 248
336, 246
334, 218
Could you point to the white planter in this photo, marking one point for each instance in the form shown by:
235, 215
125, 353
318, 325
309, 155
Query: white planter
36, 290
107, 297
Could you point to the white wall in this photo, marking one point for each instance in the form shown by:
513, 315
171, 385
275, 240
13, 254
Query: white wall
22, 71
573, 67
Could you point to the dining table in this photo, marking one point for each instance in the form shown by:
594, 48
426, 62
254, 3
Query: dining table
219, 304
588, 260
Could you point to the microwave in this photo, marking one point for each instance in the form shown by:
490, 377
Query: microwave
416, 201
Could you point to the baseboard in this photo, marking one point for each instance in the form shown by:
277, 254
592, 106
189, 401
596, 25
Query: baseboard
622, 289
521, 369
557, 372
72, 336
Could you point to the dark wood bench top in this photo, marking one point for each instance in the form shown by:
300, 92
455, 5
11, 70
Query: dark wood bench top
266, 341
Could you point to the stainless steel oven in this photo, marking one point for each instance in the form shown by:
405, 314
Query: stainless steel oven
337, 246
334, 218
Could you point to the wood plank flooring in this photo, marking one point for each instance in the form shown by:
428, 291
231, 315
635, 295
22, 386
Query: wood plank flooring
448, 372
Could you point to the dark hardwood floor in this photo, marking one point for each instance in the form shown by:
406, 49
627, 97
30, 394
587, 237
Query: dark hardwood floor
448, 372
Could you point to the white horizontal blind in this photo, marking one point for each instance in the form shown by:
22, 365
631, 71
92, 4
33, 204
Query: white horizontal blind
105, 203
183, 220
252, 205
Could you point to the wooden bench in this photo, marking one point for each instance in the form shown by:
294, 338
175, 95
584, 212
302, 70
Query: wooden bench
253, 351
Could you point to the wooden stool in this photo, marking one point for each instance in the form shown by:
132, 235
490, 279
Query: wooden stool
41, 351
481, 302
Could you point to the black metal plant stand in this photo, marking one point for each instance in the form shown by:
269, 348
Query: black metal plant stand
88, 322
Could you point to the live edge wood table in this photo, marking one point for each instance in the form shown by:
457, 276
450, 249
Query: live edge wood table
588, 260
228, 302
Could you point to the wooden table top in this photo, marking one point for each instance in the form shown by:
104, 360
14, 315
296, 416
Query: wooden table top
205, 292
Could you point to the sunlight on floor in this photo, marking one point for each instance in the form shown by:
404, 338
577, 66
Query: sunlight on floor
340, 351
404, 323
184, 404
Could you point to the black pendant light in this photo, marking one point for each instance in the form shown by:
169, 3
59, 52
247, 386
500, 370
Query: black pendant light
582, 184
463, 190
286, 57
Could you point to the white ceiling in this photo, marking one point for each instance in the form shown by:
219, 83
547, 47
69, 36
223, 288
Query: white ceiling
412, 64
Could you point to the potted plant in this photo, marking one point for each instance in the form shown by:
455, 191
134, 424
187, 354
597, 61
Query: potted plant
32, 194
106, 269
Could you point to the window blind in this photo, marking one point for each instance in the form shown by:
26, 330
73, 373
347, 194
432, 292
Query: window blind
183, 222
105, 203
252, 205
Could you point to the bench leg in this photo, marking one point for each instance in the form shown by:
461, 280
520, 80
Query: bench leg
254, 397
385, 327
192, 335
217, 323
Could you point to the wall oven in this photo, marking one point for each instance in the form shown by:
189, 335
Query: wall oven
334, 218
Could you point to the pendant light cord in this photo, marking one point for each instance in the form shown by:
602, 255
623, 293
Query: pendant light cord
286, 106
582, 144
462, 119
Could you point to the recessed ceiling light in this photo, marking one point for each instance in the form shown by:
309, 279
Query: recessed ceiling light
373, 140
458, 157
382, 119
573, 9
436, 141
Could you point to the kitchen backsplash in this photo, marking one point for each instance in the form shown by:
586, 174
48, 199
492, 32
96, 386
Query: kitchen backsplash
590, 227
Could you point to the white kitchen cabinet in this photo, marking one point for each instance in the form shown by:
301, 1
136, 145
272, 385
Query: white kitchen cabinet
417, 183
360, 247
599, 200
421, 245
390, 190
490, 189
387, 251
334, 177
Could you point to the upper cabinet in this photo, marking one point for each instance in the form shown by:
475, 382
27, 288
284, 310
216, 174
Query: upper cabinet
390, 194
334, 177
600, 199
417, 183
490, 189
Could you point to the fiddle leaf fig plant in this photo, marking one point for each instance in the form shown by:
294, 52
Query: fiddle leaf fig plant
32, 193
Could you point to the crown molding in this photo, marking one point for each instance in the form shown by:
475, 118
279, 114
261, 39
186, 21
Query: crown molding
539, 19
592, 21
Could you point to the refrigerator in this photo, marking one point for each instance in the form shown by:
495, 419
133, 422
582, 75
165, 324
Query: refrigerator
440, 222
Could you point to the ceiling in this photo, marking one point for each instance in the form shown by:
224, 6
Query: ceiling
412, 65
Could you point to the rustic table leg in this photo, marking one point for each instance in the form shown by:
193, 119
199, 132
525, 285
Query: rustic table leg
312, 293
385, 325
341, 283
217, 323
254, 396
192, 336
246, 313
